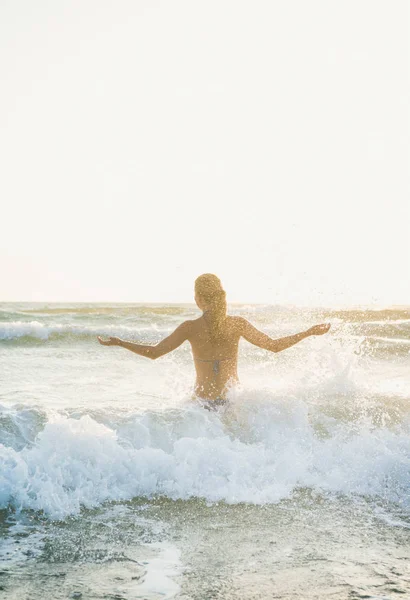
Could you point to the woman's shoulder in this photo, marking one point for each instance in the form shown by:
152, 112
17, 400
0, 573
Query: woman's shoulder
236, 321
236, 318
193, 323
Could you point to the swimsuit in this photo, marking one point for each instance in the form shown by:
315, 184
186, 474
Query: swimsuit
207, 402
213, 404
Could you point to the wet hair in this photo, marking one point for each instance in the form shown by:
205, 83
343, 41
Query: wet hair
209, 288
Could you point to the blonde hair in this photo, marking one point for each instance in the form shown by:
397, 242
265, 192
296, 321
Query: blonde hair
209, 288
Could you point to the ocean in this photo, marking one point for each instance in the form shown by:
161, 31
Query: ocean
115, 483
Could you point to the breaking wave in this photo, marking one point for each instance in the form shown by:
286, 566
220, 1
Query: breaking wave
258, 450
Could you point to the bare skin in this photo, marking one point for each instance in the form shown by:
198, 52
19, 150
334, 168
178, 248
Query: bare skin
216, 365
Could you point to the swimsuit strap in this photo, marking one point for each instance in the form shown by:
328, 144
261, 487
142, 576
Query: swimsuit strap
215, 363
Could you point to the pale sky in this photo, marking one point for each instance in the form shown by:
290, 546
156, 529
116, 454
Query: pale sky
143, 143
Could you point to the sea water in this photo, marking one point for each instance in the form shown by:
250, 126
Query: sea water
114, 483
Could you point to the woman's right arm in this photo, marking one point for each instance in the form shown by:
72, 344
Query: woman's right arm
260, 339
168, 344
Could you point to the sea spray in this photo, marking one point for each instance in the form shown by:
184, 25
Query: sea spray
259, 450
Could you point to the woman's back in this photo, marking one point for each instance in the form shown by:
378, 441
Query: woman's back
215, 355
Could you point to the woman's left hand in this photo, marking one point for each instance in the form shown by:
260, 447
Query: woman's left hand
319, 329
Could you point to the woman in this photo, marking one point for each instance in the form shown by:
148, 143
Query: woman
214, 339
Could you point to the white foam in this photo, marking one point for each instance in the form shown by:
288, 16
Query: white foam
160, 571
257, 451
35, 329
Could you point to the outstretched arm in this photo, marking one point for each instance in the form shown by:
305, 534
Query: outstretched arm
168, 344
260, 339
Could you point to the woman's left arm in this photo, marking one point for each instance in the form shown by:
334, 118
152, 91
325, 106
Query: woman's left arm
260, 339
170, 343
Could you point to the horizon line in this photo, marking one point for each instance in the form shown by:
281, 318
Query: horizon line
374, 305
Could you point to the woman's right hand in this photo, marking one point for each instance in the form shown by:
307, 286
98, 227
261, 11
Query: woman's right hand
112, 341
